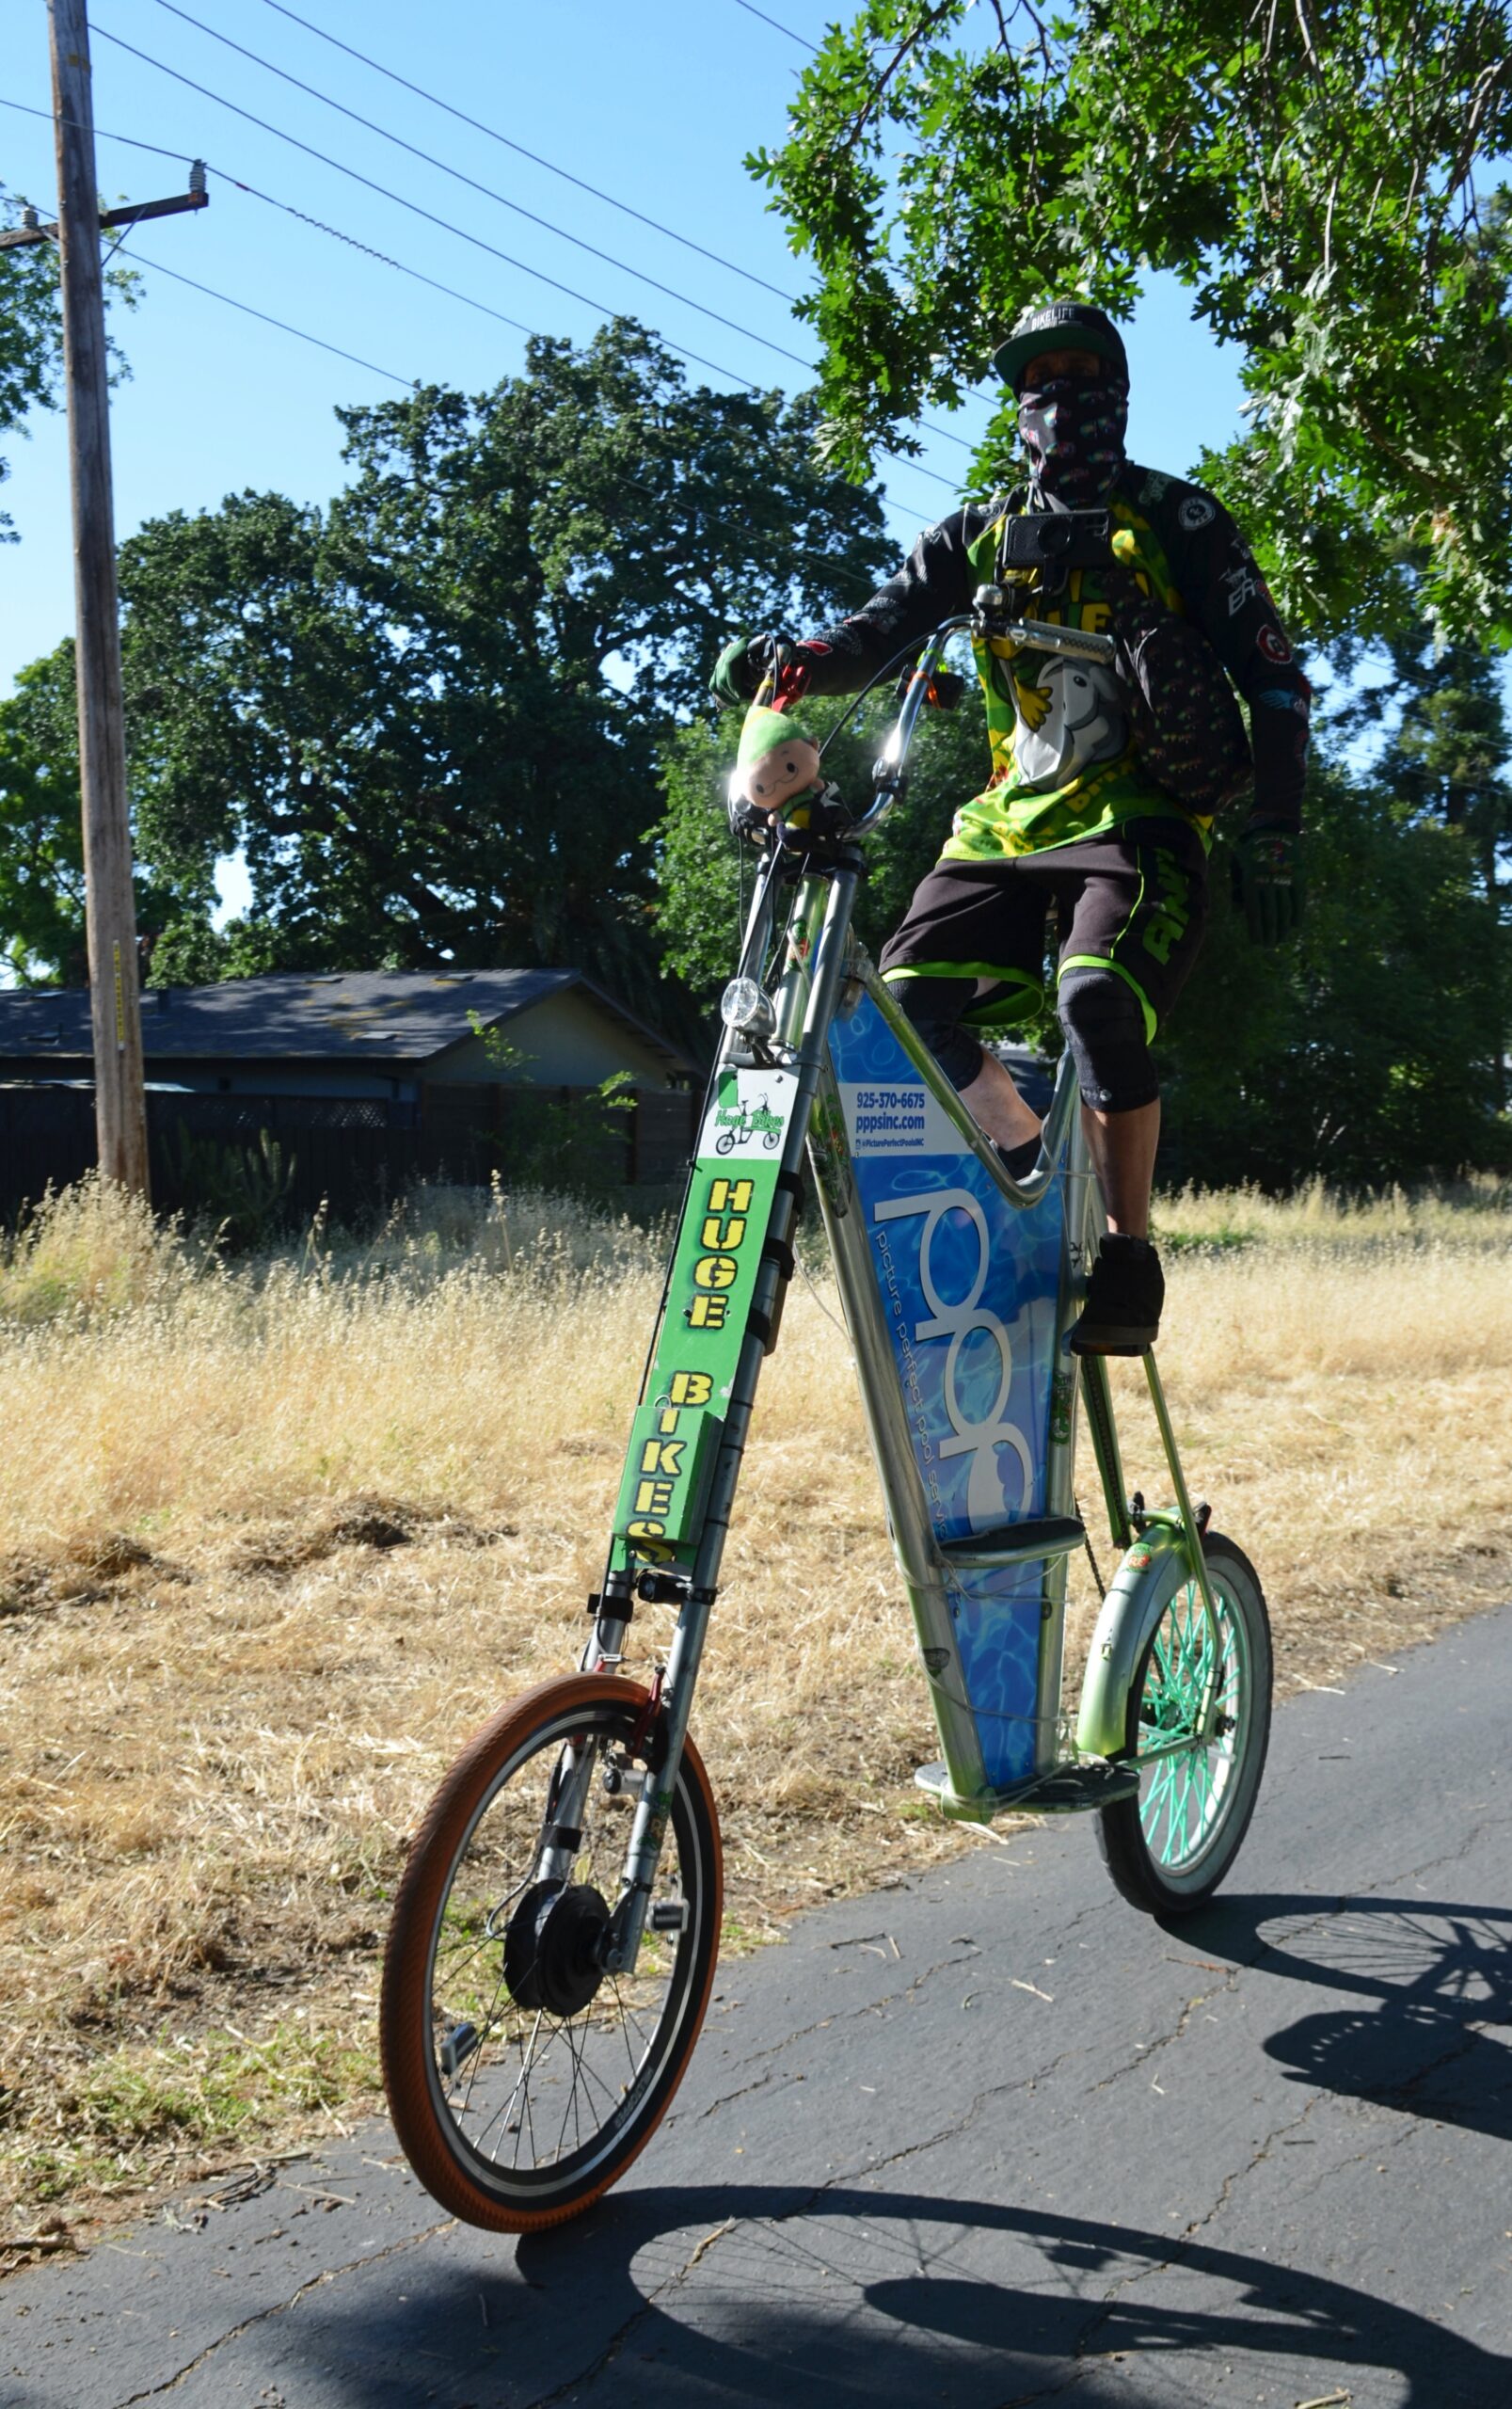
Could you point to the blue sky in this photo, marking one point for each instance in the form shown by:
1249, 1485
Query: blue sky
655, 105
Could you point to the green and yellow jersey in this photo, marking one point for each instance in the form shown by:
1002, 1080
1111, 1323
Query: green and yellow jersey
1063, 763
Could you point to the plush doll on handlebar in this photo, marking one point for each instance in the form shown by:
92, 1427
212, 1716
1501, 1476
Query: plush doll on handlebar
777, 765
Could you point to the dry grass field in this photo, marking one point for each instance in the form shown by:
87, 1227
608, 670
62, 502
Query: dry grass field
274, 1539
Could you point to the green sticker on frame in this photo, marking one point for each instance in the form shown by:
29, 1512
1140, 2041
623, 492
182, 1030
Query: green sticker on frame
676, 1432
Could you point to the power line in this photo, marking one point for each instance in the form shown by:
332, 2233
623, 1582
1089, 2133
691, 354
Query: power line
338, 234
611, 199
802, 40
247, 311
548, 225
824, 560
401, 267
49, 118
355, 243
600, 308
386, 193
535, 156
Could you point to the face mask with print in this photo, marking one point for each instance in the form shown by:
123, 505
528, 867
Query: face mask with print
1071, 429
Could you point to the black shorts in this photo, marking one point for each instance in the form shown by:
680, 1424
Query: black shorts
1135, 898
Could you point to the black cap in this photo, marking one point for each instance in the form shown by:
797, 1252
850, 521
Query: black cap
1058, 325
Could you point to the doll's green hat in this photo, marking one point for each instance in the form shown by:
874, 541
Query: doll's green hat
762, 733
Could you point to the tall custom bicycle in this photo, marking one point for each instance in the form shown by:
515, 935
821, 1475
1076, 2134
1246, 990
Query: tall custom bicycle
555, 1932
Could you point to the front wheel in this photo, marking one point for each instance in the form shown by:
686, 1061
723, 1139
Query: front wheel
1168, 1849
522, 2079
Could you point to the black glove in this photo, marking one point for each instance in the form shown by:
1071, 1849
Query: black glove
1268, 881
742, 665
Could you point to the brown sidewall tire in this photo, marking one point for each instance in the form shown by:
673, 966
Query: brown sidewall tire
405, 2006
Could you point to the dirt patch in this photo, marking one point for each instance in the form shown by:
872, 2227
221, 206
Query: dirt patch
362, 1523
84, 1572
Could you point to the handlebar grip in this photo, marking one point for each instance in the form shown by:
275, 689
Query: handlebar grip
1071, 641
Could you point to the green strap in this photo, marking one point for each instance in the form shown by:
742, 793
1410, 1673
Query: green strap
999, 1013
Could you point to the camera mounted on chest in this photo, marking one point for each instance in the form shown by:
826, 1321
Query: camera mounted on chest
1038, 550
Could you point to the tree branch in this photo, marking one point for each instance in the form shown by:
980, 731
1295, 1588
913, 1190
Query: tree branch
930, 21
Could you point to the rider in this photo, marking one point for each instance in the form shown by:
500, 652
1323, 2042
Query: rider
1074, 812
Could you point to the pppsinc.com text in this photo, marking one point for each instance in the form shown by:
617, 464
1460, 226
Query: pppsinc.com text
878, 1110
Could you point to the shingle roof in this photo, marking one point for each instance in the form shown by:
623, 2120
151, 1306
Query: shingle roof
352, 1016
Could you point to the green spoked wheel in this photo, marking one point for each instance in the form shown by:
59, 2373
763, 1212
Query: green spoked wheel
523, 2077
1168, 1849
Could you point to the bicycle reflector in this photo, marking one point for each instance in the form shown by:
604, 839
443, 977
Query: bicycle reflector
746, 1007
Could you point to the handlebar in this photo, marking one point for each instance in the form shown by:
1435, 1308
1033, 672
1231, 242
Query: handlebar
988, 616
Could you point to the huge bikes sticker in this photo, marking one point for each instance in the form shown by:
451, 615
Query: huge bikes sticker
679, 1424
747, 1115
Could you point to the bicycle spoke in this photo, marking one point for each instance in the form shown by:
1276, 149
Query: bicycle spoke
1184, 1797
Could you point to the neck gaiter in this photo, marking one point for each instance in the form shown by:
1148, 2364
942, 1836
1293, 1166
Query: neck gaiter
1071, 429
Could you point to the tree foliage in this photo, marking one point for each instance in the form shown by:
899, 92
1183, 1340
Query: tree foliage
1442, 710
41, 837
42, 935
1369, 1051
31, 334
1319, 174
429, 714
31, 340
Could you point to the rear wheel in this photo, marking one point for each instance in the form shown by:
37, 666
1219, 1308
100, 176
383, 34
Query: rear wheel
522, 2078
1168, 1849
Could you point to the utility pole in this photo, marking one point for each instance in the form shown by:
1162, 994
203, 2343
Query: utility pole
120, 1105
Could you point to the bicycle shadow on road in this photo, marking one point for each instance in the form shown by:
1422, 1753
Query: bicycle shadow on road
799, 2296
1436, 1972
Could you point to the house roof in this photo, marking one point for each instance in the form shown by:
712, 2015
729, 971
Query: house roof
356, 1016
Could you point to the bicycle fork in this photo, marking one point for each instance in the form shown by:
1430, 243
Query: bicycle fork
806, 994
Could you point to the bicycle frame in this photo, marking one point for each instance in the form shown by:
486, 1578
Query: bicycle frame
919, 1214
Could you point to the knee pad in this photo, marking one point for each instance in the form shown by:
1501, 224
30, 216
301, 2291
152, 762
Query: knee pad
1104, 1021
934, 1006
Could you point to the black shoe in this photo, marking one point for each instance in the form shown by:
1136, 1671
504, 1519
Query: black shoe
1125, 1295
1018, 1161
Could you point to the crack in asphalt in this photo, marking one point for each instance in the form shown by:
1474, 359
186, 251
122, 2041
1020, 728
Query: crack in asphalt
1148, 2270
1150, 2051
281, 2307
1464, 2041
648, 2305
851, 2015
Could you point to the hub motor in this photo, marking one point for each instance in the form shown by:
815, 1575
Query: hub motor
553, 1947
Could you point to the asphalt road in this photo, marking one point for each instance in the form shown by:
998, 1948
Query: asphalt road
987, 2138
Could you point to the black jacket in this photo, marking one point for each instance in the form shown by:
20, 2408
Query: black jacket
1212, 568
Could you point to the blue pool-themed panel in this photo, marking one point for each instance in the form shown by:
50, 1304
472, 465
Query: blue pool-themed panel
968, 1286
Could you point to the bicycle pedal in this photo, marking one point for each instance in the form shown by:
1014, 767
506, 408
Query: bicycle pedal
1079, 1789
1066, 1790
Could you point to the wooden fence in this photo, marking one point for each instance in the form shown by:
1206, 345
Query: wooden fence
352, 1155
